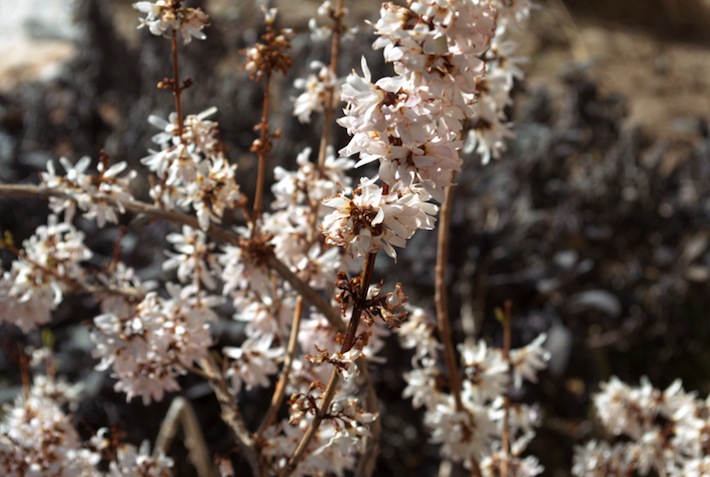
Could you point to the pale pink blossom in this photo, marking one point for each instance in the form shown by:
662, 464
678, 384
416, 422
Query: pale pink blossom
148, 346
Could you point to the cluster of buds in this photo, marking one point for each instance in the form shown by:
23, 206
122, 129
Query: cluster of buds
270, 55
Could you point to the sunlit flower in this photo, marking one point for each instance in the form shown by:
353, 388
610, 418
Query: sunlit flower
164, 16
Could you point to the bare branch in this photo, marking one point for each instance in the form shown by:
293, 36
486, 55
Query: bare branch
182, 414
232, 416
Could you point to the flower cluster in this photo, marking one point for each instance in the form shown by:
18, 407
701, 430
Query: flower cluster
319, 89
470, 430
296, 211
97, 196
38, 438
327, 10
667, 432
410, 122
46, 268
192, 168
139, 462
150, 344
163, 17
491, 126
373, 221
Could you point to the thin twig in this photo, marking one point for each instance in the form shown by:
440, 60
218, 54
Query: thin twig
365, 278
327, 399
442, 309
182, 414
176, 86
263, 148
328, 109
280, 390
505, 437
441, 298
232, 416
366, 464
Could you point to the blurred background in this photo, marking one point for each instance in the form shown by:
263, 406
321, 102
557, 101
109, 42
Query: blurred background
595, 223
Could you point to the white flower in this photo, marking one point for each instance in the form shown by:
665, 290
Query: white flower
485, 370
38, 278
599, 459
668, 431
421, 386
195, 259
698, 467
253, 362
529, 360
139, 462
317, 88
417, 332
99, 196
163, 16
192, 167
517, 467
37, 438
371, 221
239, 273
148, 346
462, 434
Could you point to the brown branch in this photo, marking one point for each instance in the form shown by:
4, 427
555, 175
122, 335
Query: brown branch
348, 342
366, 465
280, 390
505, 437
232, 416
300, 451
442, 309
262, 149
365, 278
328, 109
441, 298
216, 232
176, 86
182, 414
277, 398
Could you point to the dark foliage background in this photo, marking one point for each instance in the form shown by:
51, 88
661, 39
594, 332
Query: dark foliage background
595, 227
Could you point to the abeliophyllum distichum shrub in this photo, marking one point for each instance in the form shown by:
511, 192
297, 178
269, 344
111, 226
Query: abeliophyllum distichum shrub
300, 273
